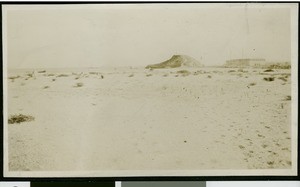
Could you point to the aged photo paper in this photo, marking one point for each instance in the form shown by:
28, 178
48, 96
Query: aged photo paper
152, 89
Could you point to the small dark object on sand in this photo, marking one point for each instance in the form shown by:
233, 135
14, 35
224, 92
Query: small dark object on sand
79, 84
252, 84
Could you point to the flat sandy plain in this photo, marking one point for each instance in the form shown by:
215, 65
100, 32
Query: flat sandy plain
141, 119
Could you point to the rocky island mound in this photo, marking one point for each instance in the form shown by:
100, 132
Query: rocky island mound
176, 61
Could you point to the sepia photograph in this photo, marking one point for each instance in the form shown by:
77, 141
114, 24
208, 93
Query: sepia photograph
151, 89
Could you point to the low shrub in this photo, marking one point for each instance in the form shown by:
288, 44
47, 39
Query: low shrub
13, 77
282, 78
19, 118
288, 98
269, 79
269, 70
62, 75
94, 73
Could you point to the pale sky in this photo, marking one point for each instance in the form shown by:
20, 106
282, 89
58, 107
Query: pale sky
62, 36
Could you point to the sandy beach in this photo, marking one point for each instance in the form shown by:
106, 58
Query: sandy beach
141, 119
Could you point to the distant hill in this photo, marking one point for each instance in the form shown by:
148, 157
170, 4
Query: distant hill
256, 63
176, 61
